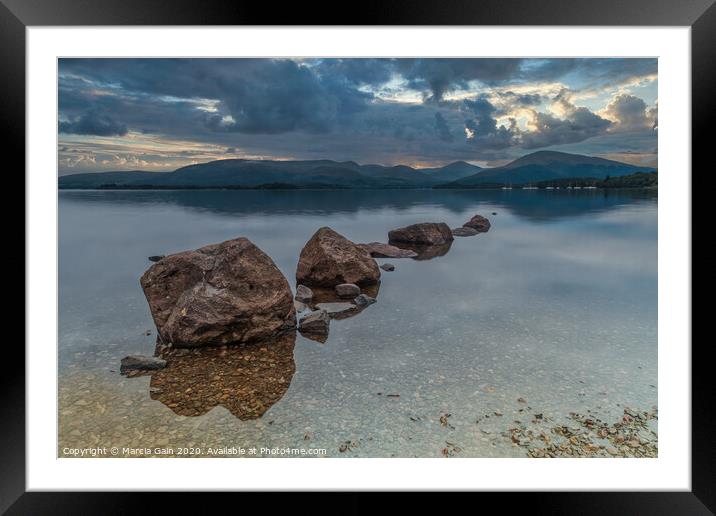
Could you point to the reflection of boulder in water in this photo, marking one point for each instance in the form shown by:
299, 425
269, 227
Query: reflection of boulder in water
321, 338
246, 380
426, 252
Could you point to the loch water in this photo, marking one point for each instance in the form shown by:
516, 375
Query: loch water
556, 306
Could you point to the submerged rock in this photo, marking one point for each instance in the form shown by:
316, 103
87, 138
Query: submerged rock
389, 266
141, 363
329, 259
464, 232
479, 223
379, 250
426, 233
364, 300
317, 321
155, 258
428, 252
347, 290
303, 294
333, 309
225, 293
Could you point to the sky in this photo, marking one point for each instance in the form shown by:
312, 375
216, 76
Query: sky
161, 114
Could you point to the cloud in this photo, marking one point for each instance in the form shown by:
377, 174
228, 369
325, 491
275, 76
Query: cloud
255, 96
482, 129
93, 123
631, 113
358, 71
567, 123
442, 129
369, 110
436, 77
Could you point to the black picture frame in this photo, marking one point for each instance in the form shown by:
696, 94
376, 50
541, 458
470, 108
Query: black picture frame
700, 15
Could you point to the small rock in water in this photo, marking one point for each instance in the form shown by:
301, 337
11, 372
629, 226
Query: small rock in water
300, 307
315, 322
347, 290
479, 223
464, 232
335, 308
303, 294
155, 258
364, 300
425, 233
389, 267
141, 363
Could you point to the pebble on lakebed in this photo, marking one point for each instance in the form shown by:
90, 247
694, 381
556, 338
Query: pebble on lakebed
628, 437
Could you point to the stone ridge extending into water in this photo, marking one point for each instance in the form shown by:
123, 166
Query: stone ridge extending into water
233, 293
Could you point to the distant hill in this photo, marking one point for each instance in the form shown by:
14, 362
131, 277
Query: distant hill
544, 166
239, 173
453, 171
95, 179
266, 174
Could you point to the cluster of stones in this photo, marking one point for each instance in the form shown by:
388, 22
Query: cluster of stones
232, 292
628, 437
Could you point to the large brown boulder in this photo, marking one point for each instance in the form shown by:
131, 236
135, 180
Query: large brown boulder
329, 259
227, 293
478, 223
426, 233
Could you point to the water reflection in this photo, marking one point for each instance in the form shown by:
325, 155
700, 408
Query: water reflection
561, 311
425, 252
246, 380
338, 308
534, 205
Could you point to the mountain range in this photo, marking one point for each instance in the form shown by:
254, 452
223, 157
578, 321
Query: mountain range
240, 173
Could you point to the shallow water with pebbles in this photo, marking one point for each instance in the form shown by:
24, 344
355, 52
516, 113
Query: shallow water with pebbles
475, 352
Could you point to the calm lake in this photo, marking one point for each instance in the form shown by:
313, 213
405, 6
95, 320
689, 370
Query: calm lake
556, 306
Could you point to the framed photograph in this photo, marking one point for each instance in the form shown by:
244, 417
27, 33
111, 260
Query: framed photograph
445, 248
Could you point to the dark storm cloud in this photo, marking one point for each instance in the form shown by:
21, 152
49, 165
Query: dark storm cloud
442, 128
438, 76
358, 71
256, 96
520, 99
483, 130
93, 123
